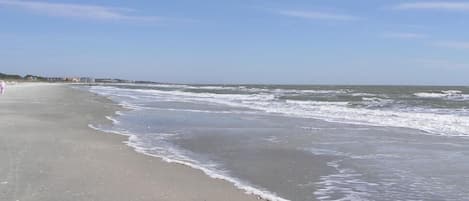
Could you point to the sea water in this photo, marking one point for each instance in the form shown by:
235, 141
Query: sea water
305, 142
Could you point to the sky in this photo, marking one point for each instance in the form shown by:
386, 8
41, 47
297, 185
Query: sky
239, 41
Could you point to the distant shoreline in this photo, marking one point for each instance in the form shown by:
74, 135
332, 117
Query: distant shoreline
34, 78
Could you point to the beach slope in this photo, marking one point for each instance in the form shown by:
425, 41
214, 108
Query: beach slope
48, 152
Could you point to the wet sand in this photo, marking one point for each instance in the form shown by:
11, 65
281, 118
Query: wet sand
48, 153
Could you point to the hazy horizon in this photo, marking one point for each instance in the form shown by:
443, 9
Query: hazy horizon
256, 42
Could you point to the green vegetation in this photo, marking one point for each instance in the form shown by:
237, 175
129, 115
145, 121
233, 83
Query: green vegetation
10, 77
4, 76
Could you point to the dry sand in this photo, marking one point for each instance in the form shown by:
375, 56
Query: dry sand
48, 153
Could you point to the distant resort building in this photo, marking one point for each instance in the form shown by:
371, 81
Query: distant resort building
56, 79
35, 78
109, 80
71, 79
30, 78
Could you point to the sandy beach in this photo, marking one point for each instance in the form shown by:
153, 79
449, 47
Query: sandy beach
48, 153
234, 100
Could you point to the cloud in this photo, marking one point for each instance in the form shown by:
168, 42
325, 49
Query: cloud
453, 44
76, 10
314, 15
436, 5
403, 35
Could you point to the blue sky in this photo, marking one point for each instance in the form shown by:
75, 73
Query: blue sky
239, 41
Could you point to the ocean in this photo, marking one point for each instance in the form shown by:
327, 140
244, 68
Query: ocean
305, 143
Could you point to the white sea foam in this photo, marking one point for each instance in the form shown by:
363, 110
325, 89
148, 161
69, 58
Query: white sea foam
331, 152
365, 94
93, 127
272, 139
130, 106
113, 120
430, 95
455, 95
428, 120
440, 124
250, 89
205, 111
346, 182
376, 102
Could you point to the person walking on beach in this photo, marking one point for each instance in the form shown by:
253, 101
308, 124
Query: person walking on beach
2, 87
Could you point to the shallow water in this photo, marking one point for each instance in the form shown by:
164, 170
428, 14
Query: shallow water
307, 142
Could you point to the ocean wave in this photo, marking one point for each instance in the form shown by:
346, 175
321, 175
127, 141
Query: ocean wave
375, 102
447, 94
444, 122
438, 124
234, 88
364, 94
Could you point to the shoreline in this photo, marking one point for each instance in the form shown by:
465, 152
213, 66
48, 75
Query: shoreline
260, 194
52, 154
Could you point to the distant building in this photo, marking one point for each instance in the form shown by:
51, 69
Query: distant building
72, 79
107, 80
30, 78
87, 80
55, 79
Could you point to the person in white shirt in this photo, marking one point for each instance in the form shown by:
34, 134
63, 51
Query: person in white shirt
3, 86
